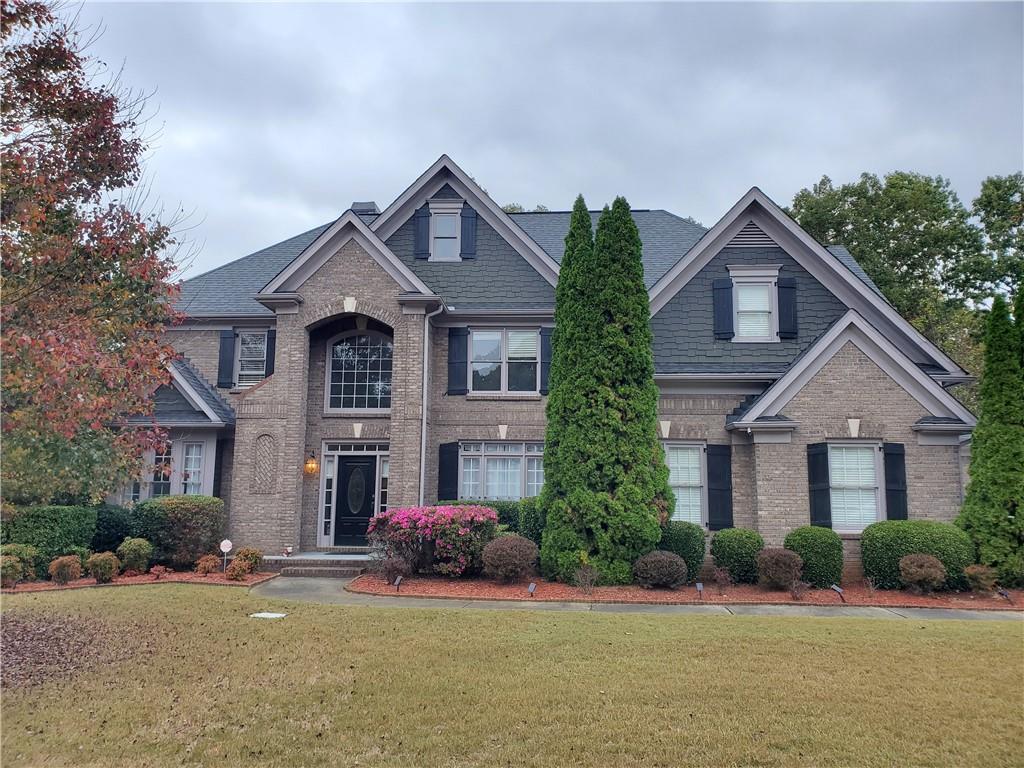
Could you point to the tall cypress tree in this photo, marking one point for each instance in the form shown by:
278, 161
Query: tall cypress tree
993, 511
606, 483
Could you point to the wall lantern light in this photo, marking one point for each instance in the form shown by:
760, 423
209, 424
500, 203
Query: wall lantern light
312, 466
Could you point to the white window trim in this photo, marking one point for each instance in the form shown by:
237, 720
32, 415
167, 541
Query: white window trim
504, 390
327, 374
483, 456
330, 451
208, 439
448, 206
756, 274
880, 510
238, 356
666, 446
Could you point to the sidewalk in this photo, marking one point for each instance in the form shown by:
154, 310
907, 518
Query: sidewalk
332, 592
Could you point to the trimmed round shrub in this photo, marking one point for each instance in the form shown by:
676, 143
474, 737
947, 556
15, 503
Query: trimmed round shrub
393, 567
531, 520
207, 564
81, 553
252, 557
53, 530
134, 554
11, 571
181, 528
113, 525
981, 578
65, 569
821, 549
237, 570
510, 558
736, 550
884, 544
778, 568
660, 569
686, 540
922, 573
104, 567
32, 563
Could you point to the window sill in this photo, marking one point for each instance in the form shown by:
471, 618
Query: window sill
754, 341
849, 535
527, 396
350, 412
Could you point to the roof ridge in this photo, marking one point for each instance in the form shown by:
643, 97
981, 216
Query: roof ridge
256, 253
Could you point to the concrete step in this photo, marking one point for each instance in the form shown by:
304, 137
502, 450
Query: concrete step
322, 572
321, 561
344, 550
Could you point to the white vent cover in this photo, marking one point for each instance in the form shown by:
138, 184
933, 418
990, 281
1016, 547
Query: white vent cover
751, 236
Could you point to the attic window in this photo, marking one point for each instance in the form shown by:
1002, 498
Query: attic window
445, 230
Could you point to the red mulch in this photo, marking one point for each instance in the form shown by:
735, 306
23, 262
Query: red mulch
548, 591
183, 577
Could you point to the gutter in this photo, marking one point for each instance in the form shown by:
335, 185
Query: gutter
423, 406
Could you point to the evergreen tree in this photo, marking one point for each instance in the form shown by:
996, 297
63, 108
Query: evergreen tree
993, 511
606, 483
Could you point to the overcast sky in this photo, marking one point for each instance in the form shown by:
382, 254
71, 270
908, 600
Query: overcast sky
273, 118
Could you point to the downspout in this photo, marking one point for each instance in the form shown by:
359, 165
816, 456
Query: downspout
423, 407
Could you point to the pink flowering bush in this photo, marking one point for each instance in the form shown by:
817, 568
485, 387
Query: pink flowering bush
449, 540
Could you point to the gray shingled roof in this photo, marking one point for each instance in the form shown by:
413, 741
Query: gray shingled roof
170, 406
228, 290
665, 236
210, 395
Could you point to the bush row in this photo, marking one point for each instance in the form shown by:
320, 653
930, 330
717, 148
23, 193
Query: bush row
522, 516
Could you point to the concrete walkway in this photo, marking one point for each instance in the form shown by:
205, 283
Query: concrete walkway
332, 592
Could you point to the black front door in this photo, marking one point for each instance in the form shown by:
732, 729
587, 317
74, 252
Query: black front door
354, 503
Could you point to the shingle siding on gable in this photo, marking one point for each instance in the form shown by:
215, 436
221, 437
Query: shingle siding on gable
684, 340
498, 277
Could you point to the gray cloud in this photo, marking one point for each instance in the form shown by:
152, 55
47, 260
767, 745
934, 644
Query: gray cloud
274, 117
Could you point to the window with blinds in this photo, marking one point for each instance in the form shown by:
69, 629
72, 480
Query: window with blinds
686, 477
853, 480
505, 360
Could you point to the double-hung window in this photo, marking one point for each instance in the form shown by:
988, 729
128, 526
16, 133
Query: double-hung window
854, 472
754, 302
504, 360
445, 230
192, 468
161, 485
686, 477
252, 357
501, 470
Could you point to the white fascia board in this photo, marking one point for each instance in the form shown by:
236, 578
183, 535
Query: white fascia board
196, 400
852, 327
348, 227
811, 255
445, 171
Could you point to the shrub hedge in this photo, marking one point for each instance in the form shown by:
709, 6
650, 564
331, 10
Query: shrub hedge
52, 530
884, 544
686, 540
531, 520
181, 528
509, 511
822, 552
736, 550
113, 526
134, 554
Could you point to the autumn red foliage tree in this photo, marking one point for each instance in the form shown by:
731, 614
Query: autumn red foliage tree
86, 277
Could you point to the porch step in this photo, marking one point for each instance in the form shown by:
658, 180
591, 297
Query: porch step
351, 550
322, 572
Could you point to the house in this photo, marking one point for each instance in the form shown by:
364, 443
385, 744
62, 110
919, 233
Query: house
399, 357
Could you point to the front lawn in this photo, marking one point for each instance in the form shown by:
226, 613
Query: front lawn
333, 686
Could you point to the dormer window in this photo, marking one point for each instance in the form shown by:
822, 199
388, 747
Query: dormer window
754, 302
445, 230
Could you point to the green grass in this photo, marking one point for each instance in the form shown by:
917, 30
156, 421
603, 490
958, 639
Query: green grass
334, 686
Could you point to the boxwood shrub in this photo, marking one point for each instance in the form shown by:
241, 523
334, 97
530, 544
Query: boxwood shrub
686, 540
736, 550
180, 528
884, 544
531, 520
52, 530
822, 552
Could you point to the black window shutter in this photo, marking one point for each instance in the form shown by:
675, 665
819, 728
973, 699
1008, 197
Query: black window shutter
545, 358
894, 460
721, 290
468, 220
448, 472
421, 233
787, 308
271, 351
226, 360
818, 485
458, 357
719, 487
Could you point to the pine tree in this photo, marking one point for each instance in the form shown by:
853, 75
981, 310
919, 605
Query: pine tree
606, 483
993, 511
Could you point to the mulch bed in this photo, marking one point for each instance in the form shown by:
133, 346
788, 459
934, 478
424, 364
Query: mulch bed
183, 577
39, 648
737, 594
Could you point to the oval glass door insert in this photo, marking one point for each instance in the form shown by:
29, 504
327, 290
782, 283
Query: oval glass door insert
356, 490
